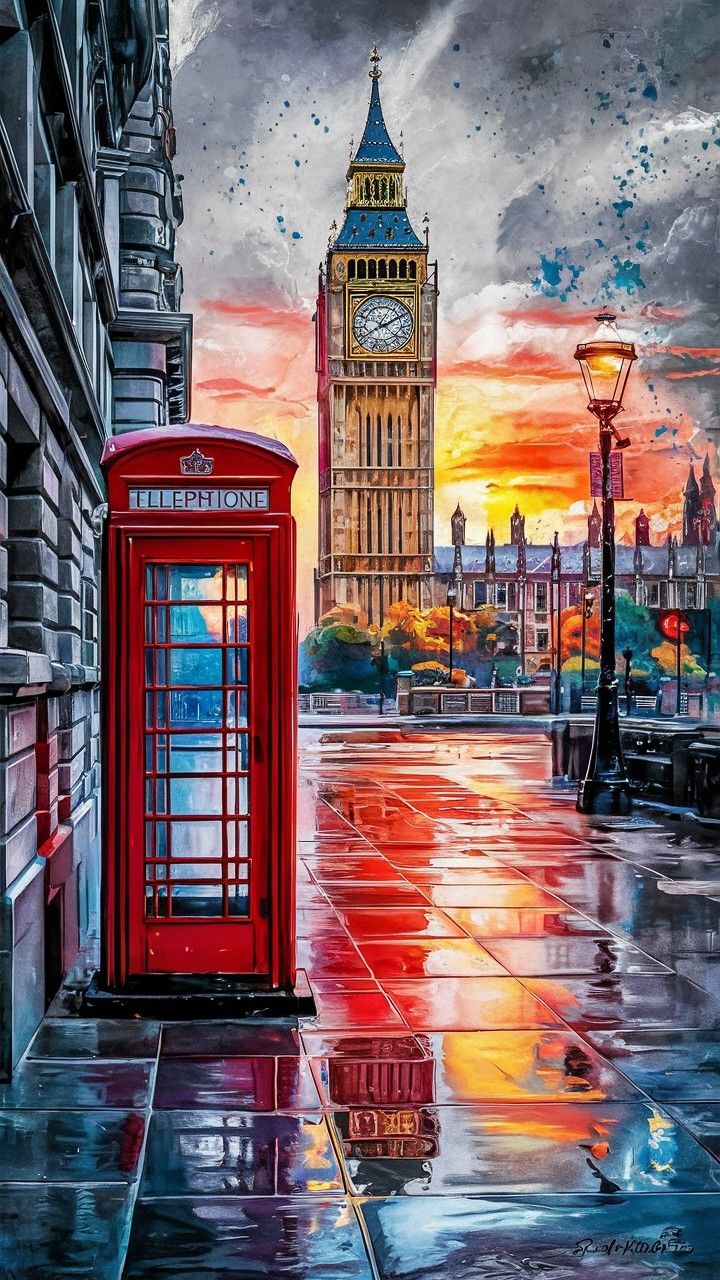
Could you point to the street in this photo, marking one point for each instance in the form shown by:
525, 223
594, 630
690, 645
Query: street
514, 1068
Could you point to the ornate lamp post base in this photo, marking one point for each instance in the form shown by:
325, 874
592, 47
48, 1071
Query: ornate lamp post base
602, 796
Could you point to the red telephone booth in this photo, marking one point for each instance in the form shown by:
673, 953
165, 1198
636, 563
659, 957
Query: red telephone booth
200, 678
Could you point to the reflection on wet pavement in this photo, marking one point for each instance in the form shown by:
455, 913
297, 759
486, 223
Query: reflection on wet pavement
516, 1025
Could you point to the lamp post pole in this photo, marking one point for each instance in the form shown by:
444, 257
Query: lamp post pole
605, 363
451, 598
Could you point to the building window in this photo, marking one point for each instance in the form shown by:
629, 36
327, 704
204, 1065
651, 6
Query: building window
479, 594
663, 595
372, 269
512, 596
541, 598
382, 269
653, 595
413, 270
501, 595
393, 269
542, 638
574, 592
361, 269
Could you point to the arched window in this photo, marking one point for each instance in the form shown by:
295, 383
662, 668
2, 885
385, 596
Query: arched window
403, 268
383, 188
379, 524
368, 442
376, 189
382, 269
379, 441
351, 269
361, 269
399, 441
390, 530
368, 530
413, 270
393, 269
368, 189
390, 440
392, 190
400, 522
372, 269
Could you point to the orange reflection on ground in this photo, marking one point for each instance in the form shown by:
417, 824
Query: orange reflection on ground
517, 1066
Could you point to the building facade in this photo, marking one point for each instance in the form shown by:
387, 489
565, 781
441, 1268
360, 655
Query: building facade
376, 361
90, 340
529, 585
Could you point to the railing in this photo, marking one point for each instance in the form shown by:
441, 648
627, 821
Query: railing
338, 704
441, 701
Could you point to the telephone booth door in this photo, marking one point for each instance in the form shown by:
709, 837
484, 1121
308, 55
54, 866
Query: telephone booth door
200, 703
199, 829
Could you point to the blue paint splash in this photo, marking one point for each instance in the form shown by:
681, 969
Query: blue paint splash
558, 276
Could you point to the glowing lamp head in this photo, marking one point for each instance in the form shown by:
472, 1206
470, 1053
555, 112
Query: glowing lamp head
452, 595
605, 363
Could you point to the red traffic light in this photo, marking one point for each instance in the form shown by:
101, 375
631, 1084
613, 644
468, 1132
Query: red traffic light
673, 623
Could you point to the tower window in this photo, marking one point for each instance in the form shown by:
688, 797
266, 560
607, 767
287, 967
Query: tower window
403, 269
351, 269
390, 440
368, 190
389, 524
392, 190
382, 269
372, 269
379, 441
393, 269
368, 442
379, 525
383, 188
413, 270
361, 269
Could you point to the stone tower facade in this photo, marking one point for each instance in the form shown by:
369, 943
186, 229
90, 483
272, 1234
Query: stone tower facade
376, 363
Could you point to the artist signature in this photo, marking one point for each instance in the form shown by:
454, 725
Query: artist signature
669, 1241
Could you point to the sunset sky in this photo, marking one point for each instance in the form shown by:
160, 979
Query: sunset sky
567, 157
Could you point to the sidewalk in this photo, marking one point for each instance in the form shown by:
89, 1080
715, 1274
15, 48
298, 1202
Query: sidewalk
514, 1068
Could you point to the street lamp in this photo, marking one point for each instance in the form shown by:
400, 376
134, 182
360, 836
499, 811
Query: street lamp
452, 596
605, 363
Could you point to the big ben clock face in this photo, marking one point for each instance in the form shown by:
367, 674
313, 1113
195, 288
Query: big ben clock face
382, 324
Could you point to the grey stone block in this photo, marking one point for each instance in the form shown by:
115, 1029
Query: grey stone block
3, 569
70, 741
32, 558
3, 413
70, 774
18, 728
22, 963
69, 647
3, 624
32, 601
30, 514
17, 851
34, 637
17, 790
69, 613
25, 421
19, 668
69, 579
68, 542
3, 516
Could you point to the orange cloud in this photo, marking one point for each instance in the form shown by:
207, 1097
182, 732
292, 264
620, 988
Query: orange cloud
233, 386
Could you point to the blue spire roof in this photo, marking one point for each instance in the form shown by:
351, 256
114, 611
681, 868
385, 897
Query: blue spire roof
375, 145
377, 229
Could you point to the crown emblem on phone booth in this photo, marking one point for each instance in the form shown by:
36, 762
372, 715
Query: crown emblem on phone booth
196, 464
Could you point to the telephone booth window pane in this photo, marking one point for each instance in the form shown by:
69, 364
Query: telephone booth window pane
195, 666
236, 666
196, 795
237, 624
237, 712
192, 582
195, 839
237, 795
237, 582
191, 708
190, 622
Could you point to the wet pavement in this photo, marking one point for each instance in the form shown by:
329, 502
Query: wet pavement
514, 1068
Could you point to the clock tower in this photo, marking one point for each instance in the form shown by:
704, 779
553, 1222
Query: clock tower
376, 358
